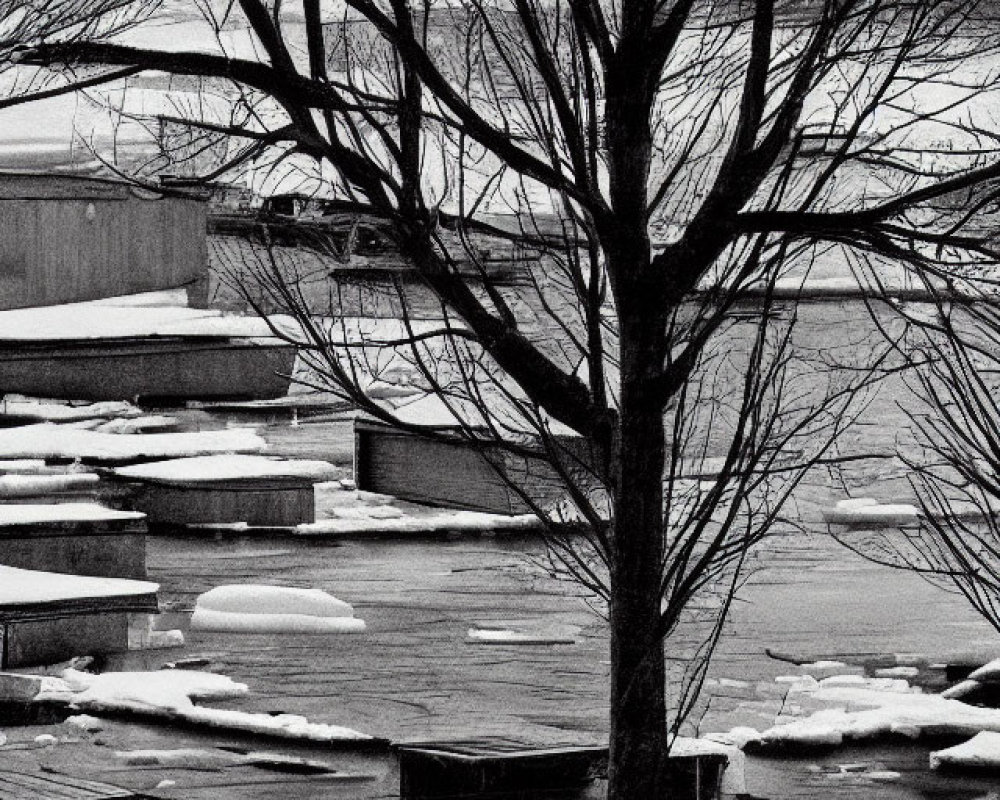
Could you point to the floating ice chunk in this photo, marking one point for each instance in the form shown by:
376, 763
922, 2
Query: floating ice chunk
823, 665
981, 751
856, 502
85, 722
46, 739
897, 672
262, 599
205, 619
256, 608
888, 514
180, 758
504, 636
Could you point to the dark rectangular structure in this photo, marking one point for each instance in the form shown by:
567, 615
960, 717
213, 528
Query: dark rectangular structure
169, 367
67, 238
453, 473
104, 549
259, 502
500, 769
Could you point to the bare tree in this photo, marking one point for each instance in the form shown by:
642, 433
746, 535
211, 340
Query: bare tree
693, 155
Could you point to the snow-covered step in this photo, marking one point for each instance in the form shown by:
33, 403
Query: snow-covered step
75, 538
48, 617
51, 441
226, 489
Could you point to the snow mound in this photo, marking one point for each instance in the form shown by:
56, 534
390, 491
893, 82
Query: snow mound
229, 467
48, 440
982, 751
46, 513
256, 608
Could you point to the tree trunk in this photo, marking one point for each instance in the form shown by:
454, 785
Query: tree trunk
638, 704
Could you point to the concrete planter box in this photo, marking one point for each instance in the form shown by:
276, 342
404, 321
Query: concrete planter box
167, 368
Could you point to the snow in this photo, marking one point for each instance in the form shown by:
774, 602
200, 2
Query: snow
85, 722
885, 514
205, 619
733, 778
873, 708
256, 608
31, 408
347, 512
981, 751
169, 694
34, 485
504, 636
48, 440
44, 513
229, 467
897, 672
988, 673
24, 587
77, 321
152, 422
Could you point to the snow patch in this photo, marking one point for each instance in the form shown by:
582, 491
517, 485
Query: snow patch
506, 636
47, 513
982, 751
229, 467
876, 707
85, 722
988, 673
48, 440
31, 408
24, 587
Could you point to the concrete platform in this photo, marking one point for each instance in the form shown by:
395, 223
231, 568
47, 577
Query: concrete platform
74, 538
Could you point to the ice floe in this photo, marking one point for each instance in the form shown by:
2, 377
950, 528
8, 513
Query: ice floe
256, 608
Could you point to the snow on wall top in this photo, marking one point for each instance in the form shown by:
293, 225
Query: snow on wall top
229, 467
35, 514
25, 587
48, 440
